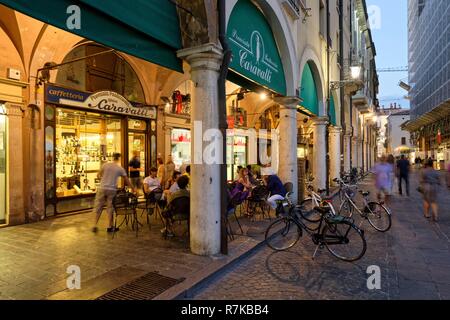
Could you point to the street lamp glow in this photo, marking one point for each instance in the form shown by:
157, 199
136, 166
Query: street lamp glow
356, 71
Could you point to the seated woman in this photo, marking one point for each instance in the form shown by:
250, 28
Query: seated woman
276, 189
244, 179
172, 184
167, 214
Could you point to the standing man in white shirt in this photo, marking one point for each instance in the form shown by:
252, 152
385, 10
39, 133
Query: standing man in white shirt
109, 175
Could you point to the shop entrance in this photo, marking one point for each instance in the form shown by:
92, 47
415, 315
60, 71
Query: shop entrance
2, 167
138, 142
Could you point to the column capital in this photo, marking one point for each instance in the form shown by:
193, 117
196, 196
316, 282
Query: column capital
14, 110
205, 57
335, 130
320, 121
288, 102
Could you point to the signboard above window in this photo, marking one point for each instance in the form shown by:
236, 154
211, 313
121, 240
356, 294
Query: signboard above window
255, 52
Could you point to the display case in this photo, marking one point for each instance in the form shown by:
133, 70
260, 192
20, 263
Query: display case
84, 142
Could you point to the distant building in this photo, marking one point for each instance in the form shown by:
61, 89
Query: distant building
398, 139
382, 123
429, 78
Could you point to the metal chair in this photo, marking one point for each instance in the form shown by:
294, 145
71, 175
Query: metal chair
178, 210
151, 204
258, 199
124, 204
233, 202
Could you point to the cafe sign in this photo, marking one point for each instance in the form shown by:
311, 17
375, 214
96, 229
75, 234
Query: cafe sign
255, 53
102, 101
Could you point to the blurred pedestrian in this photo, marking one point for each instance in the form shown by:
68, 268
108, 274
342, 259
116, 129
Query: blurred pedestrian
430, 182
161, 171
135, 170
168, 171
383, 181
403, 174
109, 175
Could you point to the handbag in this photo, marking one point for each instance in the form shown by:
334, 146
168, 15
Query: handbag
420, 189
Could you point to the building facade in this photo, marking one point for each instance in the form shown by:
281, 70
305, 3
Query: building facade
69, 99
398, 141
429, 78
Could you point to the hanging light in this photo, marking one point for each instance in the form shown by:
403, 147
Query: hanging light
355, 71
263, 96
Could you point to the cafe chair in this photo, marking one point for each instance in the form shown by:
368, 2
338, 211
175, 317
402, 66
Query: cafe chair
125, 204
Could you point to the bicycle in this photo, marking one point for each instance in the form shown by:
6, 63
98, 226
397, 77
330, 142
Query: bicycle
337, 233
314, 199
376, 213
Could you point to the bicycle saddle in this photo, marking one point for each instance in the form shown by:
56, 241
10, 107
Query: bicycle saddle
364, 193
322, 210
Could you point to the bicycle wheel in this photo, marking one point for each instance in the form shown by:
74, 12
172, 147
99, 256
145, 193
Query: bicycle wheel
344, 241
307, 211
379, 216
283, 234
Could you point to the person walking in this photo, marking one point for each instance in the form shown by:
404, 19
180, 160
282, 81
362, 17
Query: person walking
383, 181
109, 175
403, 167
135, 170
430, 182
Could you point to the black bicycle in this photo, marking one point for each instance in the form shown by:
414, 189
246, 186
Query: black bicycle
342, 238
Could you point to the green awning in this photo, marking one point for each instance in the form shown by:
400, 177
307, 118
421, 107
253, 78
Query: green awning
146, 29
332, 112
308, 91
255, 52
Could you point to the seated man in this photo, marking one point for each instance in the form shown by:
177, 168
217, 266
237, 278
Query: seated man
182, 183
276, 189
151, 182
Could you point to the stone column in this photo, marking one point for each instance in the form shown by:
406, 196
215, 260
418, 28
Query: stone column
347, 149
288, 168
15, 165
319, 156
205, 219
335, 153
355, 152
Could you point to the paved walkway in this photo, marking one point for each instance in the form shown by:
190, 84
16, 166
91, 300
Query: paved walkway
414, 259
34, 258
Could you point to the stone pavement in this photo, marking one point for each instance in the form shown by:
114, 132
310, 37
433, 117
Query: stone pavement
414, 259
34, 257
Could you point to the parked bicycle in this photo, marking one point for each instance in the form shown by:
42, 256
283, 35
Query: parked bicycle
376, 213
342, 238
314, 199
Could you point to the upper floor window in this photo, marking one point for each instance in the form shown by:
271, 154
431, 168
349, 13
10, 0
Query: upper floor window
421, 4
100, 71
403, 140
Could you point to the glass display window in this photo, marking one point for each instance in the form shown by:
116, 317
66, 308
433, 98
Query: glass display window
84, 142
181, 147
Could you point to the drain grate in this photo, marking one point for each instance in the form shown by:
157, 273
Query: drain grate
144, 288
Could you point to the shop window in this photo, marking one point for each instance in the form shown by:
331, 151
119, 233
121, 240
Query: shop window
84, 142
181, 147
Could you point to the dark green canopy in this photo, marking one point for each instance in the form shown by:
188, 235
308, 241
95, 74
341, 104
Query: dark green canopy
142, 28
